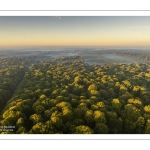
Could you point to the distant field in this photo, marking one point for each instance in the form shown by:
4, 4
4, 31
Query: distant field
90, 56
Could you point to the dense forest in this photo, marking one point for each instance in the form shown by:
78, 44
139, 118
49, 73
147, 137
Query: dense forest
11, 73
68, 96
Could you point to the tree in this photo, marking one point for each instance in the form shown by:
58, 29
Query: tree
130, 116
35, 118
78, 80
49, 128
135, 102
56, 119
104, 94
78, 122
140, 125
127, 84
123, 89
114, 122
38, 128
74, 103
94, 107
80, 112
116, 104
147, 109
66, 114
89, 118
147, 130
83, 130
92, 87
39, 109
99, 117
101, 128
20, 122
21, 130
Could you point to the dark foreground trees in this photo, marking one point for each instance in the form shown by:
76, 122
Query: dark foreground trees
11, 73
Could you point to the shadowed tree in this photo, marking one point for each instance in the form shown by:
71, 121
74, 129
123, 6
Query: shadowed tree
147, 129
101, 128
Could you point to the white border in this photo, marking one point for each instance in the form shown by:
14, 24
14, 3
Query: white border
74, 5
75, 136
74, 13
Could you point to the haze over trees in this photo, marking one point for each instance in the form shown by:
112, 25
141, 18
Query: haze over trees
67, 96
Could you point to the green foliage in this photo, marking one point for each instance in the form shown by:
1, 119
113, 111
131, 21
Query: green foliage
65, 96
83, 130
147, 109
36, 118
116, 103
11, 73
99, 117
101, 128
147, 130
92, 87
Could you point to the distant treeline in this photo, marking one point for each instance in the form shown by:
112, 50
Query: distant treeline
143, 55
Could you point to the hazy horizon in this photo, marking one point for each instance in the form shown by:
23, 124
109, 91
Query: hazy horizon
63, 48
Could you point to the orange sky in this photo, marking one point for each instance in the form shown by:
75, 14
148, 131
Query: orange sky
75, 31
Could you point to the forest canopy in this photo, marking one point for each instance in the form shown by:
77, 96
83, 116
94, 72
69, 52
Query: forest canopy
67, 96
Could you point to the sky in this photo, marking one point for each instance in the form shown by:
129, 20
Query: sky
102, 31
